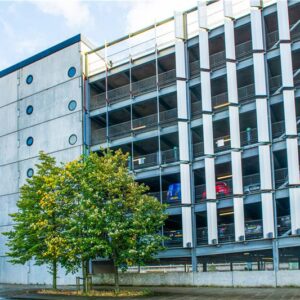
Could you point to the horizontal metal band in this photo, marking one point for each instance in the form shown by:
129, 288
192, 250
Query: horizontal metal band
207, 112
231, 60
261, 96
291, 136
181, 78
183, 120
258, 51
288, 88
234, 104
205, 70
284, 41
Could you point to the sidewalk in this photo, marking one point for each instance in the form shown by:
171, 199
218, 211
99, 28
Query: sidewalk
174, 293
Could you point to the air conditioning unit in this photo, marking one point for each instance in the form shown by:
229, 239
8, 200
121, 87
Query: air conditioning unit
214, 241
241, 238
270, 235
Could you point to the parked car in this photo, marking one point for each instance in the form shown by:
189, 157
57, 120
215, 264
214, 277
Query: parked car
221, 189
174, 193
174, 237
254, 229
252, 188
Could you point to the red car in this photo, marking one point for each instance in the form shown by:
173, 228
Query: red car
221, 189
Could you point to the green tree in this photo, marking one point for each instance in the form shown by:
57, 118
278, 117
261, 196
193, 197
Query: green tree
37, 225
112, 217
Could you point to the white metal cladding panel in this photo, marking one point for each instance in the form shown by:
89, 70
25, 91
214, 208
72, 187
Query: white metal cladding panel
256, 3
183, 131
259, 74
234, 127
212, 224
210, 177
256, 30
286, 65
202, 14
229, 39
185, 179
203, 48
8, 206
9, 88
293, 160
283, 20
227, 5
187, 226
205, 91
295, 208
239, 225
180, 59
265, 167
267, 213
237, 177
262, 120
289, 112
208, 134
232, 82
180, 25
182, 99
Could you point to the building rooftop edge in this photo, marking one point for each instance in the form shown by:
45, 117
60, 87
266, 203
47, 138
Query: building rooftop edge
66, 43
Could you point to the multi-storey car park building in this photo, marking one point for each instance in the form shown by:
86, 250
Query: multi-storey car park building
207, 105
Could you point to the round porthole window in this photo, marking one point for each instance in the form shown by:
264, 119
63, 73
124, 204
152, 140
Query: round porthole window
72, 139
29, 141
29, 79
29, 110
72, 72
72, 105
30, 172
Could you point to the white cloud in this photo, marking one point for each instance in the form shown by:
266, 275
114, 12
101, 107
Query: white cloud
75, 12
146, 12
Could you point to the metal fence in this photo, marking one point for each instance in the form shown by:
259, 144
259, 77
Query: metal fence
226, 233
202, 236
243, 50
284, 225
253, 229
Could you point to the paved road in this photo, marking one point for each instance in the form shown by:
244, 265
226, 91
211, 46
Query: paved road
160, 293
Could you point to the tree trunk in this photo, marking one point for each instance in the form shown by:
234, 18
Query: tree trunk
54, 274
117, 286
84, 275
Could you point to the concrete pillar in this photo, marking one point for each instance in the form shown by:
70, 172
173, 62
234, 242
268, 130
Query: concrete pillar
207, 124
183, 126
289, 111
263, 117
234, 122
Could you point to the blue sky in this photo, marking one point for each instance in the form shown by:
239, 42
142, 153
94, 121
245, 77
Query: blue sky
27, 27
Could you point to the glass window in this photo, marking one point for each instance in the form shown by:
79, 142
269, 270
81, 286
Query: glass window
72, 105
30, 172
72, 72
29, 141
29, 79
73, 139
29, 110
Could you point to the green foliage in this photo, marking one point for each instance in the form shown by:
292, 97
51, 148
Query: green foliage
88, 208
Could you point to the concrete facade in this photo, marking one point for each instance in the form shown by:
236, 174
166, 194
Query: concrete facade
50, 124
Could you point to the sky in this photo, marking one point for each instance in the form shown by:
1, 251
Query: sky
30, 26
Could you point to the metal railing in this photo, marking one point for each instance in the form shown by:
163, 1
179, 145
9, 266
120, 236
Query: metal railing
272, 38
202, 236
222, 143
153, 159
249, 137
196, 108
246, 92
175, 238
253, 229
275, 83
200, 191
226, 233
278, 129
281, 177
198, 149
283, 225
251, 183
219, 101
217, 60
136, 88
243, 50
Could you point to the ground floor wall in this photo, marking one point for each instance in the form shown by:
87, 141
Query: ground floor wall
226, 279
